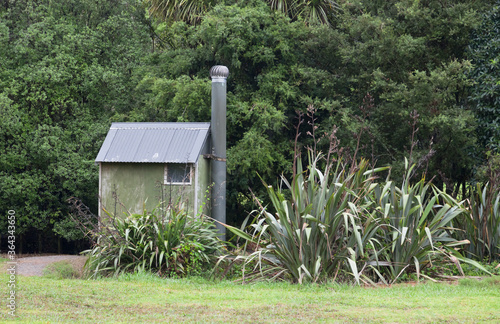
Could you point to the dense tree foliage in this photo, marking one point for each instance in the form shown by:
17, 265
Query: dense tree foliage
377, 72
193, 11
66, 67
485, 54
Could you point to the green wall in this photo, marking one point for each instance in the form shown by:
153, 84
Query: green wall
134, 183
139, 185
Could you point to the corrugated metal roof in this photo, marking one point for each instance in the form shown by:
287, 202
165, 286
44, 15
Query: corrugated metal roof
154, 142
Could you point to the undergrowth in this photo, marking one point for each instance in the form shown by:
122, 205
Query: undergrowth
60, 270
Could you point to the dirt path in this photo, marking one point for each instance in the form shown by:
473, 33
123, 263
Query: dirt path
33, 266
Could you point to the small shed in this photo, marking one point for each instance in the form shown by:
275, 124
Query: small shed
142, 164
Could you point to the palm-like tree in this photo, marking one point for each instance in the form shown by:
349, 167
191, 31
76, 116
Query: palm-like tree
312, 11
191, 11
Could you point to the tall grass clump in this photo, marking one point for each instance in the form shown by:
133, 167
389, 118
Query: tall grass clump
316, 225
343, 221
170, 243
481, 223
61, 270
414, 229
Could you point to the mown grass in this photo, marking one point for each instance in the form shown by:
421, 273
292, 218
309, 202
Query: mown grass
146, 298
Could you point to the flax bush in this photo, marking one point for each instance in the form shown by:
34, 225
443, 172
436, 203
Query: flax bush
481, 223
414, 229
170, 243
315, 226
342, 221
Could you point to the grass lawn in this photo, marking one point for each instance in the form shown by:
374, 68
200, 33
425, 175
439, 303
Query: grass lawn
145, 298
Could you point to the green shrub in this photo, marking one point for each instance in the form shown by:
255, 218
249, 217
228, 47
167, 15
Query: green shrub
175, 244
60, 270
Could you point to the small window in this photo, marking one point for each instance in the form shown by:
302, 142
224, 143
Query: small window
177, 173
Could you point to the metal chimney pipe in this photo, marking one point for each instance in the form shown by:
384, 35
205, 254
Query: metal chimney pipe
219, 74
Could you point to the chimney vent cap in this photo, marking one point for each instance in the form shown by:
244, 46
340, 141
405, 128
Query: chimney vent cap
219, 71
